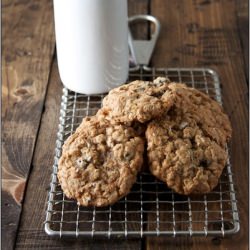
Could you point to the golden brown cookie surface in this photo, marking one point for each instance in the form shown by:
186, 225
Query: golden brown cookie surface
99, 162
185, 149
137, 101
207, 112
181, 155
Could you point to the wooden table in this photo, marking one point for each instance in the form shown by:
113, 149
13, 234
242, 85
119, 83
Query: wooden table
195, 33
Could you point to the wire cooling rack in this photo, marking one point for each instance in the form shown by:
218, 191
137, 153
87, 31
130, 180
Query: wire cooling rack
150, 208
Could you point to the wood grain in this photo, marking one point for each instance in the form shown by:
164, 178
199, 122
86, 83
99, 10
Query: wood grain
194, 33
31, 233
28, 43
199, 33
242, 12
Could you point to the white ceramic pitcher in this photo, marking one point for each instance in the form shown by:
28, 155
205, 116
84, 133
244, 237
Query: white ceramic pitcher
92, 44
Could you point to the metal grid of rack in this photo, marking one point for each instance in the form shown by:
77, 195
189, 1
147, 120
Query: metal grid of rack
150, 208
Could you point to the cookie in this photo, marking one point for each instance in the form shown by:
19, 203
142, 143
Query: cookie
99, 162
137, 101
182, 155
140, 128
207, 112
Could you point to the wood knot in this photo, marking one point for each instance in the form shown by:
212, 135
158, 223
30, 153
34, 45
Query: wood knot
24, 89
18, 192
21, 91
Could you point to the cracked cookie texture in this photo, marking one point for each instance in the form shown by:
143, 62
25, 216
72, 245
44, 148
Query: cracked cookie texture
207, 112
137, 101
186, 133
100, 162
186, 146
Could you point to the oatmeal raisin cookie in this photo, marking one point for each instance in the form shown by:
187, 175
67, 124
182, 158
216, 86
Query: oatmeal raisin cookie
100, 162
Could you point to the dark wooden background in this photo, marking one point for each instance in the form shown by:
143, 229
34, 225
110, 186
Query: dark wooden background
195, 33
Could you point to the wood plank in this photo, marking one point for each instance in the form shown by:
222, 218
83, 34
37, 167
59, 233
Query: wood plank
138, 7
28, 43
242, 12
31, 233
197, 33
